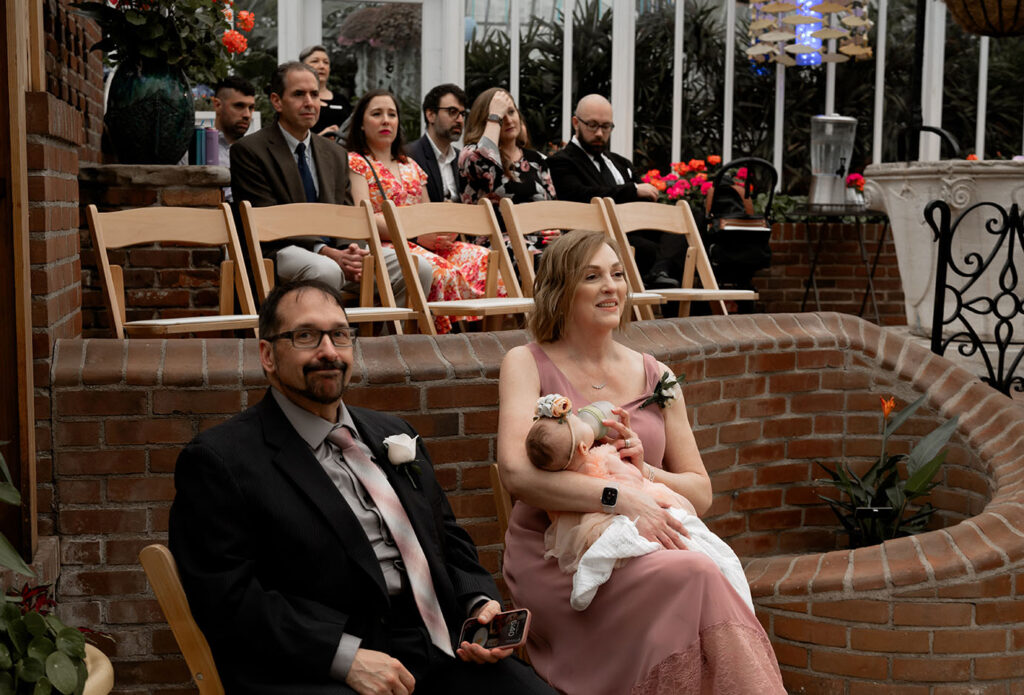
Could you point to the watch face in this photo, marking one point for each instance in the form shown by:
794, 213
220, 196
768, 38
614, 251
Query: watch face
608, 496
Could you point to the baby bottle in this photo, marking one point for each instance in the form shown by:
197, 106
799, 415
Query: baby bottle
593, 415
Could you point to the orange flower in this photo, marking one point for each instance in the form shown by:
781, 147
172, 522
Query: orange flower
696, 164
888, 406
714, 160
680, 168
972, 157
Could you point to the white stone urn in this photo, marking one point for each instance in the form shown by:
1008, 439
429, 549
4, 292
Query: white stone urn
903, 190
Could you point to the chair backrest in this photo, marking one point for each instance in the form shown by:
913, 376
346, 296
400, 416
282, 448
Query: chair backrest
530, 218
981, 289
162, 573
276, 222
152, 225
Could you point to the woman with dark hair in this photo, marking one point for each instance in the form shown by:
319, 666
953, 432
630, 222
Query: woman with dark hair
379, 169
667, 622
496, 161
334, 108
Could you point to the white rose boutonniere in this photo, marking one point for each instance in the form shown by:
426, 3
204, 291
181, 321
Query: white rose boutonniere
402, 454
666, 392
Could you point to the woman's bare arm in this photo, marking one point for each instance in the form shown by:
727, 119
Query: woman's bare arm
684, 470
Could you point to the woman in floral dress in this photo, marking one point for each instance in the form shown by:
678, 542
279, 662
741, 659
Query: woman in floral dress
497, 161
379, 168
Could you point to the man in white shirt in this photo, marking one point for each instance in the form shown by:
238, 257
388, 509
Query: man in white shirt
233, 103
444, 109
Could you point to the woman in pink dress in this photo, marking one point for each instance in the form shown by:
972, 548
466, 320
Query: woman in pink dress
379, 168
667, 622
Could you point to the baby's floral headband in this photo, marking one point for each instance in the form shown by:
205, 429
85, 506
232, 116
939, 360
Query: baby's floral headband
553, 405
557, 406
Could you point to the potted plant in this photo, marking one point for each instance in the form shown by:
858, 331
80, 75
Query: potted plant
156, 46
38, 653
875, 507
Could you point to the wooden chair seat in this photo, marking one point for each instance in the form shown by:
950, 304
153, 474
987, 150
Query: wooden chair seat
178, 225
485, 306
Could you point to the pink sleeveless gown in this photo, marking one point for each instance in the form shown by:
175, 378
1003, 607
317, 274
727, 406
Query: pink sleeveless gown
665, 623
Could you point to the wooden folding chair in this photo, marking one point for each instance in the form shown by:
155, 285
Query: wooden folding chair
276, 222
194, 226
530, 218
409, 222
162, 573
673, 219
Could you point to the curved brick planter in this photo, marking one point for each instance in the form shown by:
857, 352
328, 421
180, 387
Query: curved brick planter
937, 614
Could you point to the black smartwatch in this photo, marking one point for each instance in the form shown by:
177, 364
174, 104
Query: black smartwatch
494, 118
608, 498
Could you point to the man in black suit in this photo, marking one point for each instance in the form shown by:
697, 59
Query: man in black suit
444, 109
282, 530
286, 163
585, 168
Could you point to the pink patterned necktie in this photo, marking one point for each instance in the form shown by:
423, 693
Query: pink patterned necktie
394, 515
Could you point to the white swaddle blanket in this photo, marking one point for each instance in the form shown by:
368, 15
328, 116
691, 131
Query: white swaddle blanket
622, 540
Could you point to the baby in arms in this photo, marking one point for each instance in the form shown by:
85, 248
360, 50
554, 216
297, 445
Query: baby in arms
589, 545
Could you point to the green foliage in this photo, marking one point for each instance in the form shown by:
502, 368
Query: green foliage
874, 507
182, 33
38, 653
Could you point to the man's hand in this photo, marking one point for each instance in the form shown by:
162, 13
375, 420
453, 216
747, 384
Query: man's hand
646, 190
376, 673
350, 259
474, 652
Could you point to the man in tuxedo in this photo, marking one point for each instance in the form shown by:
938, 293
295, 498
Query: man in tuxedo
444, 109
314, 557
286, 163
585, 168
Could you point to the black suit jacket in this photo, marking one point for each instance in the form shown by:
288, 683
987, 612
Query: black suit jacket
423, 154
576, 178
275, 564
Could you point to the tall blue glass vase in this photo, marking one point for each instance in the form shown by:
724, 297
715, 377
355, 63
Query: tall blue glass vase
150, 114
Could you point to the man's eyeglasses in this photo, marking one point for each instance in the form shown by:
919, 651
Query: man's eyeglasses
454, 111
309, 338
592, 125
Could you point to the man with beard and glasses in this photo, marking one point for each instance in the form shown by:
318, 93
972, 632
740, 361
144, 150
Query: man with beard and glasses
444, 109
314, 557
585, 168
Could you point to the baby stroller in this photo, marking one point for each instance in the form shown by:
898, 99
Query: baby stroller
735, 236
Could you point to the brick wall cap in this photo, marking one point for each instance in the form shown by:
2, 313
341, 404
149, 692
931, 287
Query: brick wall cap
154, 175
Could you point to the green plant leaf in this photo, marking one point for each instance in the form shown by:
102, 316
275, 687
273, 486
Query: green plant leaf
61, 671
5, 658
71, 642
9, 613
6, 683
930, 445
29, 670
40, 648
20, 637
43, 687
9, 494
11, 559
4, 470
918, 482
83, 674
35, 623
54, 623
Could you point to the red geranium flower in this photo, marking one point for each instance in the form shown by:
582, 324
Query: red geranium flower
234, 41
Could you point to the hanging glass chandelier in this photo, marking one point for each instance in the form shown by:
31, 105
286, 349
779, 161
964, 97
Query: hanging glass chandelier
809, 32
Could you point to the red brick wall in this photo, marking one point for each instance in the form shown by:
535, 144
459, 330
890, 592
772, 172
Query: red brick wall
841, 274
767, 396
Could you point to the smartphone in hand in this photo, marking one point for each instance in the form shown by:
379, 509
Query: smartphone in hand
507, 629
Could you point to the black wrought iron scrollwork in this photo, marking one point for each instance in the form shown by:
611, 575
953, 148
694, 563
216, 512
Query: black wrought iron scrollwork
961, 303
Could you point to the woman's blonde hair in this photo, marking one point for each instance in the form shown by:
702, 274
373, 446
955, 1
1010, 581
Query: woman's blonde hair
477, 121
562, 266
